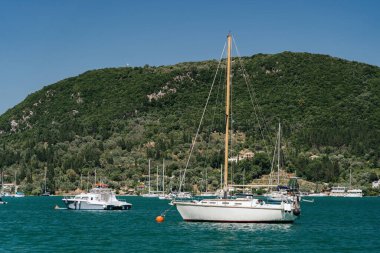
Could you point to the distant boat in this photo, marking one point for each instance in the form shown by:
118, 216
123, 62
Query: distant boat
99, 198
338, 191
163, 195
150, 194
353, 193
341, 191
239, 210
46, 193
19, 195
281, 193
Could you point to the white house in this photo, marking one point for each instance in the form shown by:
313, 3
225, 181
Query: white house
376, 184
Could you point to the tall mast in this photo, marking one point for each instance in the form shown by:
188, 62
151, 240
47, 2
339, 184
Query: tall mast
15, 182
2, 181
157, 180
206, 180
88, 179
278, 154
163, 176
45, 178
149, 176
350, 179
228, 77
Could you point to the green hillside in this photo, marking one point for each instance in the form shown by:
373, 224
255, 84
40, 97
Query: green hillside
116, 119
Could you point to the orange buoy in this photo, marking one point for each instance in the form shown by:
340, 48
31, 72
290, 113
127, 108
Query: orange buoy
160, 219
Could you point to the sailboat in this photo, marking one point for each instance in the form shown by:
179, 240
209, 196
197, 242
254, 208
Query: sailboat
282, 191
17, 193
239, 210
46, 193
150, 194
353, 193
163, 195
206, 193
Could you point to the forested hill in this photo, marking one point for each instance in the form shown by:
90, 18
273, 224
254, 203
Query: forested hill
116, 119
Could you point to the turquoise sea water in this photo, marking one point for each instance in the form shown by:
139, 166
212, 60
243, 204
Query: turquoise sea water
31, 224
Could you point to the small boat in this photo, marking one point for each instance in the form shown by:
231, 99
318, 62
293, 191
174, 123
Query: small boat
2, 202
19, 195
165, 197
99, 198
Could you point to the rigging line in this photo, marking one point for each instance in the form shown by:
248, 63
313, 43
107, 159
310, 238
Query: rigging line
252, 94
200, 123
272, 165
207, 156
213, 115
255, 107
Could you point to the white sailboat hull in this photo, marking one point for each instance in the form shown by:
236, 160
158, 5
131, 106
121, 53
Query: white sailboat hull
245, 213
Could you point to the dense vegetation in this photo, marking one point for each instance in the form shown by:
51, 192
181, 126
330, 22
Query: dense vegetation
104, 119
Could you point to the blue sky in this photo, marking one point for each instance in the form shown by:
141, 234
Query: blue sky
44, 41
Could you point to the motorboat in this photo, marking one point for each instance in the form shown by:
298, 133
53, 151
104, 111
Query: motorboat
99, 198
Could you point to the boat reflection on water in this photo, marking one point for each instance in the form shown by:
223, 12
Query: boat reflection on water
237, 227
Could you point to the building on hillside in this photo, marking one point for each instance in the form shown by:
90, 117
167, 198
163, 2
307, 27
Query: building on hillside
243, 154
313, 157
141, 187
376, 184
